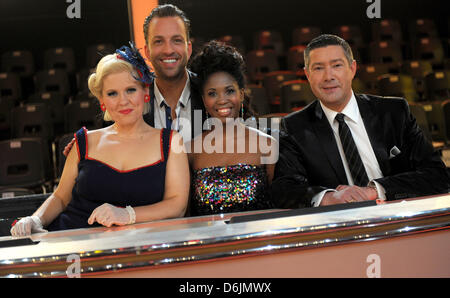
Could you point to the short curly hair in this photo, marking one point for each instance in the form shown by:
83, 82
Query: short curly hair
216, 57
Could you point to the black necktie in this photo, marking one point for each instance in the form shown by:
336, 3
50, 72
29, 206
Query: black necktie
355, 164
168, 116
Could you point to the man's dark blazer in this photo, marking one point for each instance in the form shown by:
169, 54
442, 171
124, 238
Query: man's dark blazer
196, 103
309, 160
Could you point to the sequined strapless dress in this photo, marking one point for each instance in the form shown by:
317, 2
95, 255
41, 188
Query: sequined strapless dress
235, 188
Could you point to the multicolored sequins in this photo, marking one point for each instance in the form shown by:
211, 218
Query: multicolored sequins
235, 188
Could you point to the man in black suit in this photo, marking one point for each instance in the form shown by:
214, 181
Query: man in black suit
346, 147
175, 99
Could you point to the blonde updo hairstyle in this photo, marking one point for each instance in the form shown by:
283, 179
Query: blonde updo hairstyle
110, 64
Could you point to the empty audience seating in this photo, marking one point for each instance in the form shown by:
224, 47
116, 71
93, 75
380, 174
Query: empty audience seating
386, 29
269, 40
95, 52
438, 85
295, 95
60, 58
32, 120
398, 85
296, 58
429, 49
418, 111
303, 35
24, 163
82, 113
352, 34
421, 28
261, 62
236, 41
259, 101
10, 86
20, 62
272, 82
53, 80
436, 121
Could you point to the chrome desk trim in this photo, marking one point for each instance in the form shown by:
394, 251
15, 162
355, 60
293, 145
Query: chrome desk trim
149, 251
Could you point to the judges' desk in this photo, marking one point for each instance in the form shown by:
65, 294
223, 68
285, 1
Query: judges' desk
400, 239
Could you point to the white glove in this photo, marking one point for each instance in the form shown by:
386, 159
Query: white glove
109, 215
27, 225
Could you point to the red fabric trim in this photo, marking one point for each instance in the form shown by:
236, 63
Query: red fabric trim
86, 140
77, 146
126, 171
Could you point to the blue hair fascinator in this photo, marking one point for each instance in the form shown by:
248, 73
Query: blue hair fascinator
132, 56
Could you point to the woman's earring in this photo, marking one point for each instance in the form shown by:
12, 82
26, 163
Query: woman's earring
103, 107
242, 110
146, 98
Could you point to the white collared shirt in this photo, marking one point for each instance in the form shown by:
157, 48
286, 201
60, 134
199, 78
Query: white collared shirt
182, 111
356, 125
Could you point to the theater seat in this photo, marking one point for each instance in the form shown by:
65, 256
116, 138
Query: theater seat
261, 62
350, 33
429, 49
82, 77
32, 120
295, 94
386, 51
369, 75
387, 29
61, 142
96, 52
418, 111
296, 58
24, 163
236, 41
304, 34
421, 28
5, 118
55, 102
259, 100
438, 85
436, 121
398, 85
53, 80
10, 87
272, 82
269, 40
19, 62
418, 70
60, 58
82, 113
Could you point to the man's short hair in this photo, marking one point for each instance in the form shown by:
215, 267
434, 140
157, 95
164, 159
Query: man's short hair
167, 10
325, 40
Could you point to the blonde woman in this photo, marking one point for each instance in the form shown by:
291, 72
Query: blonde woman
125, 173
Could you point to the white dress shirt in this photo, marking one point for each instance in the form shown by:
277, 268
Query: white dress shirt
182, 123
359, 133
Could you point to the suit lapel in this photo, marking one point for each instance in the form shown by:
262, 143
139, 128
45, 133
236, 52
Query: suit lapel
375, 132
196, 103
327, 141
